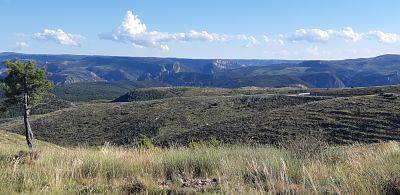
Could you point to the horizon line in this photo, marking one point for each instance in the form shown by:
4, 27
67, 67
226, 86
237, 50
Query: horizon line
169, 57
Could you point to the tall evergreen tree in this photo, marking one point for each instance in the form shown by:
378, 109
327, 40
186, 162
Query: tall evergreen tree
25, 85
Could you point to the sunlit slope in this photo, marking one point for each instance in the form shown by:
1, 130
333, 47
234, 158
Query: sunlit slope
120, 123
341, 120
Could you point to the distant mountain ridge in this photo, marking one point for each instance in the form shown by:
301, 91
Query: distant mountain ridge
68, 69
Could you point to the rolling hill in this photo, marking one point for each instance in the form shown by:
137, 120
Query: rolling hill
343, 120
120, 123
231, 73
249, 115
89, 91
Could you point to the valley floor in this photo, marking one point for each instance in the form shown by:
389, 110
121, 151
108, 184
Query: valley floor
200, 168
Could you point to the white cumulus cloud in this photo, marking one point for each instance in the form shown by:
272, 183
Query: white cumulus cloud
276, 40
202, 36
281, 40
321, 36
21, 45
132, 25
310, 35
133, 31
251, 40
384, 37
58, 36
348, 34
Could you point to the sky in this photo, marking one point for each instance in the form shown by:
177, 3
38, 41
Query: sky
248, 29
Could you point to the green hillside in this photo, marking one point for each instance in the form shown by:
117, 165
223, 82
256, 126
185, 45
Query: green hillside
120, 123
183, 115
261, 140
49, 105
88, 91
341, 120
145, 94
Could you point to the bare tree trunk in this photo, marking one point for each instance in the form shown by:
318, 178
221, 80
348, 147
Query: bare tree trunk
28, 129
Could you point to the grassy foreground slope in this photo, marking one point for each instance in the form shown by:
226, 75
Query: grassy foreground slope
358, 169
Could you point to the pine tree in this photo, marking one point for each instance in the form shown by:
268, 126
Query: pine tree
25, 85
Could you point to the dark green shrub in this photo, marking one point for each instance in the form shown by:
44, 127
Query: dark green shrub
145, 142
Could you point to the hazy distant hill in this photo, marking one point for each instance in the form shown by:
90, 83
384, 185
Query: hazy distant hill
67, 69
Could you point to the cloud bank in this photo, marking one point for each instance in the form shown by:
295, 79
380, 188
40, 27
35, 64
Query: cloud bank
58, 36
322, 36
347, 34
133, 31
311, 35
384, 37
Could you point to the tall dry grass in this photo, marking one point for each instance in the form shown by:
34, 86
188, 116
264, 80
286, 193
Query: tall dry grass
361, 169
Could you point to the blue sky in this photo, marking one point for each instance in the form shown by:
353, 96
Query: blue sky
264, 29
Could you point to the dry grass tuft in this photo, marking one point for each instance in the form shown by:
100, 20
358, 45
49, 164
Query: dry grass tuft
359, 169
